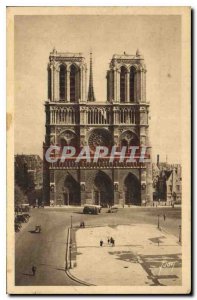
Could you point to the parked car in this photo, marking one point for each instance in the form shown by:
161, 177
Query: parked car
113, 209
25, 207
27, 216
17, 226
22, 218
91, 209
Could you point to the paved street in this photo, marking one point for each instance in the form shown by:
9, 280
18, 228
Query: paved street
47, 250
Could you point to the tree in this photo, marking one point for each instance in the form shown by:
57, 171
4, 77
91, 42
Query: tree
19, 196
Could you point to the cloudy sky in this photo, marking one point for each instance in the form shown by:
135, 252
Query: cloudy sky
158, 39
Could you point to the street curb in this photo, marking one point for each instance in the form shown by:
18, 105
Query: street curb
78, 280
67, 262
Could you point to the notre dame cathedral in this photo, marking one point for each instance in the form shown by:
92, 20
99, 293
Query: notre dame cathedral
75, 117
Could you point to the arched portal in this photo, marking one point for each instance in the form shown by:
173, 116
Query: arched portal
103, 190
123, 72
71, 191
132, 190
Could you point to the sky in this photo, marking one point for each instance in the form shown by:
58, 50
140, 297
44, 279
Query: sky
157, 37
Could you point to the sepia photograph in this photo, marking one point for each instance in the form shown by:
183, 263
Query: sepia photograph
98, 150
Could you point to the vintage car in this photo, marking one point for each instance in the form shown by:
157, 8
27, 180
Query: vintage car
113, 209
17, 226
21, 218
27, 216
91, 209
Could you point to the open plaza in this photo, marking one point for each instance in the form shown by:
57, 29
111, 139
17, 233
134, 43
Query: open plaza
143, 254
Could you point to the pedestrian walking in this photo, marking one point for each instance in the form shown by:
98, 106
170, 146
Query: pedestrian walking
108, 241
101, 243
112, 241
82, 225
33, 270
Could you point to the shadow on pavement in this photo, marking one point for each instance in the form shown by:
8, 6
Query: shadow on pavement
33, 231
54, 267
28, 274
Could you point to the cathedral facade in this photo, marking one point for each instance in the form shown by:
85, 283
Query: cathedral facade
74, 117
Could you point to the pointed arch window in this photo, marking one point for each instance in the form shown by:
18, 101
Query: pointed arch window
62, 82
123, 72
132, 84
73, 83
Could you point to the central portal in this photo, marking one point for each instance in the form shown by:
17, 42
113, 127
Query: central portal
71, 191
132, 190
103, 190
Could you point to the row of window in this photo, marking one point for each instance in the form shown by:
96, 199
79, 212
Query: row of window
95, 117
73, 84
126, 90
123, 84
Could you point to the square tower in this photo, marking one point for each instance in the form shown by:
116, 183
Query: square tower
75, 118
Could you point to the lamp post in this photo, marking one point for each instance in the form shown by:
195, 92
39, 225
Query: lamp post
180, 234
158, 225
70, 256
71, 222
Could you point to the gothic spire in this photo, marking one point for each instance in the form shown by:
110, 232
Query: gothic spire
91, 88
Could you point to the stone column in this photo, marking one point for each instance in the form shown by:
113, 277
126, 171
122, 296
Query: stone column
53, 117
56, 84
135, 86
115, 85
85, 85
52, 82
81, 84
144, 86
114, 112
139, 85
143, 185
78, 86
128, 85
81, 115
68, 85
118, 87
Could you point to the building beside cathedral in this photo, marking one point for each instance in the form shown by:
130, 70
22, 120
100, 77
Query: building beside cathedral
75, 117
167, 183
